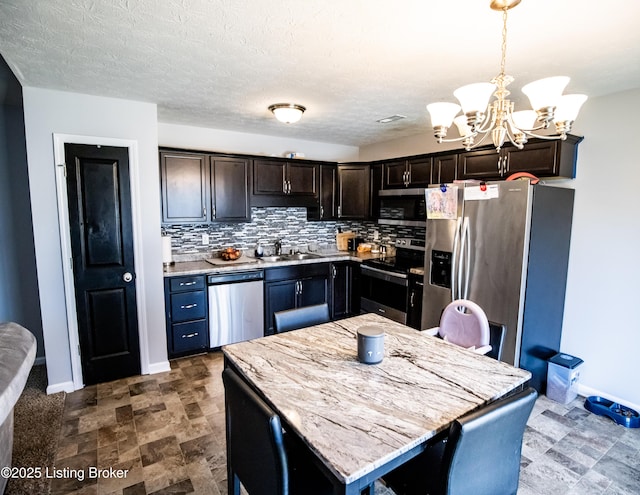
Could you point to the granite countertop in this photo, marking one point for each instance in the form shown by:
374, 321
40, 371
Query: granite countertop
200, 267
358, 417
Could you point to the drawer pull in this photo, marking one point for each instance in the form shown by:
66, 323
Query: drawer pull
188, 306
190, 335
185, 284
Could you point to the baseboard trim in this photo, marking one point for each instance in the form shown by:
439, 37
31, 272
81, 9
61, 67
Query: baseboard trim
587, 391
60, 387
160, 367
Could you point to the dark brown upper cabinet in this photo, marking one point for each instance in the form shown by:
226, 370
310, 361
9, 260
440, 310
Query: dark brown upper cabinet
411, 172
183, 178
229, 185
285, 183
444, 168
376, 186
203, 188
541, 158
354, 183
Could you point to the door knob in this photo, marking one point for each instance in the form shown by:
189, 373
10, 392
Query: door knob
127, 277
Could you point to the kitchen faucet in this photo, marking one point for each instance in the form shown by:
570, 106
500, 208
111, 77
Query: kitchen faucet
278, 246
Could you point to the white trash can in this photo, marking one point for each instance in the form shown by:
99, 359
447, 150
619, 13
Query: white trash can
563, 375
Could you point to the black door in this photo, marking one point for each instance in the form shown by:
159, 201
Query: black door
99, 197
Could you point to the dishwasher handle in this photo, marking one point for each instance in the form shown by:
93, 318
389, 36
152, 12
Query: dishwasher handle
235, 277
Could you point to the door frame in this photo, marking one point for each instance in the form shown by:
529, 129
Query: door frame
59, 140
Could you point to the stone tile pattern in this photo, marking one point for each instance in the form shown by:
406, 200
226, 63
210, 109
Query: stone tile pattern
568, 450
168, 430
271, 223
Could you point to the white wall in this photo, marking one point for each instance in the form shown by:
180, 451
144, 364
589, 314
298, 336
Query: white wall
200, 138
601, 320
47, 112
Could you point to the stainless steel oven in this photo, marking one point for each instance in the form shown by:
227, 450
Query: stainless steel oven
384, 281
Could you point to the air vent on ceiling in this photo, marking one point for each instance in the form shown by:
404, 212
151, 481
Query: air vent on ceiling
393, 118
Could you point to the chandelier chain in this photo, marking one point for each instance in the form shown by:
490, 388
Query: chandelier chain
504, 42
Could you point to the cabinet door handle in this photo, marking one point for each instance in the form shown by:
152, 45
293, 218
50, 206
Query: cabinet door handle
284, 186
213, 212
322, 212
288, 187
190, 335
334, 272
204, 211
339, 211
504, 165
184, 284
188, 306
412, 298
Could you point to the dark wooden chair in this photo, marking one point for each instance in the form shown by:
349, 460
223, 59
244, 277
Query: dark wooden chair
497, 332
480, 456
292, 319
258, 452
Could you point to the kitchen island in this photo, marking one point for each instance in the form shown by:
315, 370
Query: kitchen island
361, 421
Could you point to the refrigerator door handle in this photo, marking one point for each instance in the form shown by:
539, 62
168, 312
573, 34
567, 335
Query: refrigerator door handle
462, 267
466, 254
454, 260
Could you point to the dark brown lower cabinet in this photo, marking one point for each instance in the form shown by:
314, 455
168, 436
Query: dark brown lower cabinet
345, 294
294, 286
186, 315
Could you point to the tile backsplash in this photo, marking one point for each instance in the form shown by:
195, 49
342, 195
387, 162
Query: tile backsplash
270, 224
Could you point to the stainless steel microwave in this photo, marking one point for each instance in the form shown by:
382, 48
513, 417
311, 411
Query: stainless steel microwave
403, 207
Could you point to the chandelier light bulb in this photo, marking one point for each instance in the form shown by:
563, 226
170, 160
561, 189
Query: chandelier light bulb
568, 107
475, 97
442, 113
545, 93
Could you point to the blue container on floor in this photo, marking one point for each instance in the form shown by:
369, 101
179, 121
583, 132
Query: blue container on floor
622, 415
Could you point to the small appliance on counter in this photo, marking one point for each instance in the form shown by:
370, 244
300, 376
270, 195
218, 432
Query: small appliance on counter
167, 256
353, 243
342, 239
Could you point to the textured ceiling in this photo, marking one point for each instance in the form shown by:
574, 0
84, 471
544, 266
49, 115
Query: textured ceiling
221, 63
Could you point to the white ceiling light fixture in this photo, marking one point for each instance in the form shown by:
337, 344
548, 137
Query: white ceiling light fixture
498, 119
289, 113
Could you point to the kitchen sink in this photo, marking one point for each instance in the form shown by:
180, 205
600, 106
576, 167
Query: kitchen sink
272, 258
290, 257
300, 256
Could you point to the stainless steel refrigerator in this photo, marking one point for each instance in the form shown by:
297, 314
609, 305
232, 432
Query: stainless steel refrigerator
505, 246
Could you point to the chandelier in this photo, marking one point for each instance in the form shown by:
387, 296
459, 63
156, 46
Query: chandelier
480, 118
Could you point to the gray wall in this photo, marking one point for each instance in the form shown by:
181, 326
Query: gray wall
49, 112
18, 278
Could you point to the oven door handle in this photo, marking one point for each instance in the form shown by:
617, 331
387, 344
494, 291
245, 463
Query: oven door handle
393, 277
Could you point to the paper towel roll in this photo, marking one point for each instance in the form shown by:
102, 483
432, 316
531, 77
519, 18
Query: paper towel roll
167, 257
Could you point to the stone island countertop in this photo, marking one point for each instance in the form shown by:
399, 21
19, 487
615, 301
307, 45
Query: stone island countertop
356, 417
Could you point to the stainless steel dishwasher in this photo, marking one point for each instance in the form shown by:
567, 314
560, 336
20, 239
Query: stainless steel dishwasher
236, 307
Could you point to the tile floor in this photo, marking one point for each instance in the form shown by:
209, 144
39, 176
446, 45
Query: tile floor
167, 430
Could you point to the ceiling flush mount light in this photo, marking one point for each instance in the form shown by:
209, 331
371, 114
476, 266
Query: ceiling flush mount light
288, 113
498, 119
